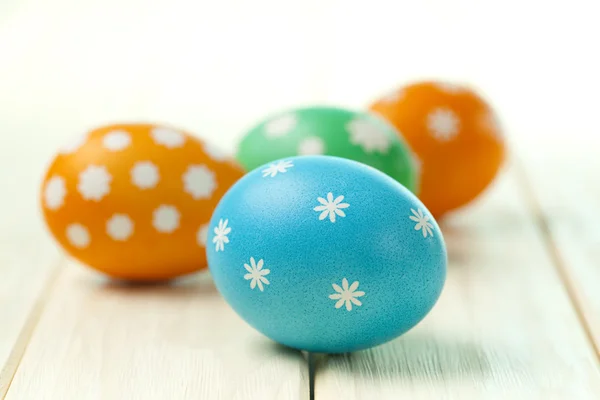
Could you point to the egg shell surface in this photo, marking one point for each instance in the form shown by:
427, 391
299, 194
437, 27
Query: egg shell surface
326, 254
455, 134
134, 200
334, 131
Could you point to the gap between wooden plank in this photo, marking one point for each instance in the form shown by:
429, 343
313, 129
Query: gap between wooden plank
20, 346
311, 359
561, 267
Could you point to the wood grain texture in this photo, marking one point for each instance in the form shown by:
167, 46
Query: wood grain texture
504, 327
564, 185
102, 340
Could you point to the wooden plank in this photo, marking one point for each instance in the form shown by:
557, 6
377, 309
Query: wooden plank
100, 340
27, 272
564, 185
504, 327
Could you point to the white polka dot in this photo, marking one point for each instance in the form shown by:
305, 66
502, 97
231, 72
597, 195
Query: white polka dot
166, 219
280, 126
443, 124
370, 135
55, 192
311, 146
199, 181
116, 140
94, 183
119, 227
202, 235
145, 175
170, 138
78, 236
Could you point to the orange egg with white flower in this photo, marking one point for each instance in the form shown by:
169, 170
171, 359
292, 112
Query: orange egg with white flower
454, 134
133, 201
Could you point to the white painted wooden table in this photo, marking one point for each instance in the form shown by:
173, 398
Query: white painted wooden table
519, 317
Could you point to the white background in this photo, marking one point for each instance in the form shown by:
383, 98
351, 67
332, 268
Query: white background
216, 67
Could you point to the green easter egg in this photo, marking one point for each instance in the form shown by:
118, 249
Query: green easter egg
355, 135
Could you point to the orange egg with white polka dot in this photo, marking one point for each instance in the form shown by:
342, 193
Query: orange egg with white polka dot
455, 135
134, 200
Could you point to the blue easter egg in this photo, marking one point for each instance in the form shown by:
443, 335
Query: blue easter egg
326, 254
